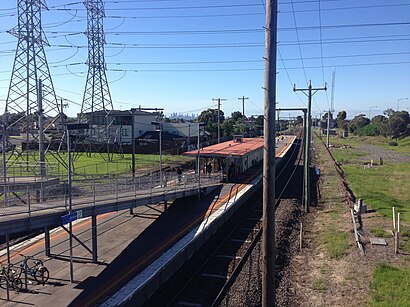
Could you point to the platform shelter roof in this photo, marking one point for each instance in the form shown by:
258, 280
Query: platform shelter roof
230, 148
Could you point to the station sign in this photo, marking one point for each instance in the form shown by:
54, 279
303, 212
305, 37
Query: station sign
71, 217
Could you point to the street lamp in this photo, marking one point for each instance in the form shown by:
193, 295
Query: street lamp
370, 109
69, 188
198, 163
133, 142
398, 100
159, 128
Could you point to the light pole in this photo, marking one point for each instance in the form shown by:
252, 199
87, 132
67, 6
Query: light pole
159, 128
370, 109
133, 142
4, 145
398, 100
69, 188
198, 163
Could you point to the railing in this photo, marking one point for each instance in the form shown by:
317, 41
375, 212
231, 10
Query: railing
29, 197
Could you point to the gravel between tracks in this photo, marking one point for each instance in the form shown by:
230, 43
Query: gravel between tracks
246, 291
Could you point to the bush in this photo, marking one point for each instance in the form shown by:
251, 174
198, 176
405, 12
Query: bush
393, 143
369, 130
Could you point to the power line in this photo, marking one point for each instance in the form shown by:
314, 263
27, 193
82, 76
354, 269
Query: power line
321, 50
298, 40
238, 31
168, 8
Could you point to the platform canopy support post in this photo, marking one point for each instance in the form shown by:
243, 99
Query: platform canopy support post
47, 247
8, 248
94, 237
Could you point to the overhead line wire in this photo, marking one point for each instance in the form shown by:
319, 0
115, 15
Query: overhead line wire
298, 40
321, 50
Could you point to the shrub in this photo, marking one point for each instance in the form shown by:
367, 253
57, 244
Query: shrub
393, 143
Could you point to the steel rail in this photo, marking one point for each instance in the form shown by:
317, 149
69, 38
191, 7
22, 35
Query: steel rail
231, 279
239, 265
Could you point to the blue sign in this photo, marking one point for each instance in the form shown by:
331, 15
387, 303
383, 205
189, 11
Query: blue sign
68, 218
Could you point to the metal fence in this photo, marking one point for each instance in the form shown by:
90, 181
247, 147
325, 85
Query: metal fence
26, 197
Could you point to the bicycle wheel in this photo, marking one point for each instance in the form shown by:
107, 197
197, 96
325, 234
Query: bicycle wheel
17, 284
41, 275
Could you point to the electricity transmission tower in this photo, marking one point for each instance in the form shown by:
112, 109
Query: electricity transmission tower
97, 98
31, 91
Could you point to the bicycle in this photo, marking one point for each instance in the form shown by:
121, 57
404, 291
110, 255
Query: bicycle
10, 277
37, 270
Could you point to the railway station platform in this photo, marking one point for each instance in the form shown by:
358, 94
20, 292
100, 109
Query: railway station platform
128, 244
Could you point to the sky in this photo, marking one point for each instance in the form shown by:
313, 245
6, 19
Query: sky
181, 54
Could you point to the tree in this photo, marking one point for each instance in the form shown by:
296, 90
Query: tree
236, 115
341, 117
228, 126
388, 112
398, 124
358, 122
378, 119
210, 118
324, 117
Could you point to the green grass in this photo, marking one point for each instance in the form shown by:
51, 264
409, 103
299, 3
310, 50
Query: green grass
93, 165
319, 284
335, 242
390, 287
347, 155
382, 187
379, 232
380, 141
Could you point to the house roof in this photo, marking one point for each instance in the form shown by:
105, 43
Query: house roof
230, 148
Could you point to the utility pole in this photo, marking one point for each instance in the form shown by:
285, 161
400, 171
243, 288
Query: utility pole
269, 155
332, 109
328, 129
243, 113
219, 119
308, 140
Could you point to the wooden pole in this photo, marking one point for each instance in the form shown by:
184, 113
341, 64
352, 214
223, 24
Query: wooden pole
394, 220
268, 223
397, 235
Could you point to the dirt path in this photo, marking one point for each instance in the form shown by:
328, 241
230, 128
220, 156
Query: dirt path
375, 152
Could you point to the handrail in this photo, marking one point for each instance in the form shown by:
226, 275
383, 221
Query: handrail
23, 197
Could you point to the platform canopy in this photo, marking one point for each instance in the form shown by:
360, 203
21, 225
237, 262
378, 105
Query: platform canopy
233, 148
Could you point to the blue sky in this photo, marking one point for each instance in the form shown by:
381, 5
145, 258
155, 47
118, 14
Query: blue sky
158, 55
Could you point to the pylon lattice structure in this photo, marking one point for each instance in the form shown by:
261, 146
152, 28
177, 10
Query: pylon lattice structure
97, 102
30, 66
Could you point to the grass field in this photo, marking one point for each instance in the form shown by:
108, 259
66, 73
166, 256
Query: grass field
381, 187
403, 145
92, 165
390, 286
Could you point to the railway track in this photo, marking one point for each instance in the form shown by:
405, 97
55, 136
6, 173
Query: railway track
209, 282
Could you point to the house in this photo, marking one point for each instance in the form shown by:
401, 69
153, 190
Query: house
118, 125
